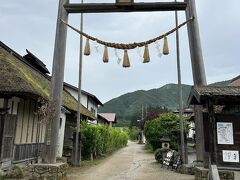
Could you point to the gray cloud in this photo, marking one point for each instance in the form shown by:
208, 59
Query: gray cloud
31, 24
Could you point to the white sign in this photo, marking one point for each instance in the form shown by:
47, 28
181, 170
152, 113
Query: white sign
230, 156
224, 133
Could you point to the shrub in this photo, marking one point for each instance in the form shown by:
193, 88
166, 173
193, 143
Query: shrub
158, 155
165, 125
99, 140
2, 175
15, 172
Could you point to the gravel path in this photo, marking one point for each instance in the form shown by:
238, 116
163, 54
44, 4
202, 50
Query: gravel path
129, 163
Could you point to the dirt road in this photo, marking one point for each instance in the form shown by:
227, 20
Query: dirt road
129, 163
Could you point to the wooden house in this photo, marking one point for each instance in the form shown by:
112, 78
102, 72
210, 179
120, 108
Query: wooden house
23, 82
221, 117
89, 102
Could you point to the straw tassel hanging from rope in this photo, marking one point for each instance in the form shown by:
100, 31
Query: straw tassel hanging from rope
87, 48
165, 46
146, 56
105, 55
126, 62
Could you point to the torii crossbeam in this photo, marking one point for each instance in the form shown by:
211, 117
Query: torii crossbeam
113, 7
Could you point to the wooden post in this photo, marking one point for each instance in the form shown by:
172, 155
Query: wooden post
140, 127
198, 71
57, 77
212, 133
182, 129
78, 152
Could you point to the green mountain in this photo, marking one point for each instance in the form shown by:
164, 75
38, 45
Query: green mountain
128, 104
221, 83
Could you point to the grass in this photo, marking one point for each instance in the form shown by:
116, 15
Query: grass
98, 160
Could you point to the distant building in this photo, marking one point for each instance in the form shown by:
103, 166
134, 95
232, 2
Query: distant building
189, 112
235, 81
107, 118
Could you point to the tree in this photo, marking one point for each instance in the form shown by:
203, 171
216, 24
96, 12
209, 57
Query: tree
166, 124
153, 113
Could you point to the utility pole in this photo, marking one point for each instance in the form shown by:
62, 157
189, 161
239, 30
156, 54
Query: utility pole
182, 129
141, 129
57, 78
198, 71
78, 150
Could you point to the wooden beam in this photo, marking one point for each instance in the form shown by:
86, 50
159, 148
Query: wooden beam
113, 7
199, 77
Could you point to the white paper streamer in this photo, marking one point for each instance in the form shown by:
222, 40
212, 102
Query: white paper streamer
158, 47
96, 46
117, 56
140, 54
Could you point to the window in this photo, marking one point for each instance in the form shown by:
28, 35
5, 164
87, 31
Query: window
93, 110
60, 123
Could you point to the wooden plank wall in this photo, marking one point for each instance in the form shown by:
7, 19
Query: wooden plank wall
233, 118
29, 129
8, 136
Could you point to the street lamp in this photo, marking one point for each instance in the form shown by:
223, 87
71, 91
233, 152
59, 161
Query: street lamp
124, 2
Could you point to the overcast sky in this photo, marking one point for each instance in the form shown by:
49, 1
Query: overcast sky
31, 25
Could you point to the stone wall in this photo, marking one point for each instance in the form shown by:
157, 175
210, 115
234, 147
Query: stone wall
56, 171
202, 174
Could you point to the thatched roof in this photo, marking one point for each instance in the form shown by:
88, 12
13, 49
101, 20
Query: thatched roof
31, 58
19, 78
217, 94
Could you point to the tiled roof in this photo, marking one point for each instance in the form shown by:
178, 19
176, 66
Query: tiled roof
110, 117
235, 81
219, 94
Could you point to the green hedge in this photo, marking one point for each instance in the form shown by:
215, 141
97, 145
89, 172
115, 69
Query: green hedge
99, 140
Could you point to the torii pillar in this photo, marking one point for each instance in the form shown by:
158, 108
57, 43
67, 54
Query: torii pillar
57, 78
198, 71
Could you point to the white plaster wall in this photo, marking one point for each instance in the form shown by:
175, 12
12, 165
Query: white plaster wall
74, 93
61, 135
191, 132
84, 100
93, 105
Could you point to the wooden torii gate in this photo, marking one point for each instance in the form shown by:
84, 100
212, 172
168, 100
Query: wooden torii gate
65, 8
